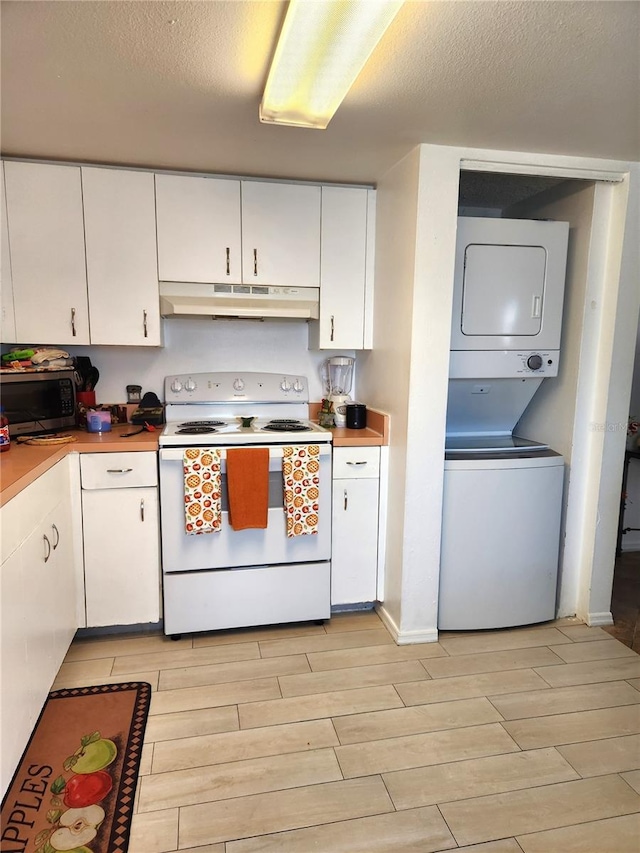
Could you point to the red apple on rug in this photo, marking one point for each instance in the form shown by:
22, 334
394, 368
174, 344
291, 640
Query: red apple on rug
86, 789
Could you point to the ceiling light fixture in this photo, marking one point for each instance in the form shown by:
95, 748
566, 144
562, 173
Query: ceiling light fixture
322, 48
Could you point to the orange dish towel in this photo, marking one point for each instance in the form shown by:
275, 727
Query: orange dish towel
301, 473
248, 487
202, 506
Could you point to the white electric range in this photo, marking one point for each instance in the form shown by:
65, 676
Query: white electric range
232, 578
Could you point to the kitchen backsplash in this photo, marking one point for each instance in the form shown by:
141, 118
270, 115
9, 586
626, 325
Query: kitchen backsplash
206, 345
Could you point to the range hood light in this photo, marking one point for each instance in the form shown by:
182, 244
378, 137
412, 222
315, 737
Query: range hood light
323, 46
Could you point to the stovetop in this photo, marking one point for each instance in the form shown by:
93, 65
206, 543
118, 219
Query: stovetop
223, 431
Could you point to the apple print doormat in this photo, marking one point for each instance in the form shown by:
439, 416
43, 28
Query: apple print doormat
74, 788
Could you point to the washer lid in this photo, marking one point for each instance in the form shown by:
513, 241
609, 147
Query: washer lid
492, 444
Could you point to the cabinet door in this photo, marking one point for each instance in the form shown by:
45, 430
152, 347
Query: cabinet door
198, 229
355, 541
14, 681
62, 579
122, 272
7, 315
280, 234
121, 556
46, 240
343, 267
40, 576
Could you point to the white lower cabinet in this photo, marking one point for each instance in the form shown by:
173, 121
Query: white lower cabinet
354, 556
37, 602
121, 538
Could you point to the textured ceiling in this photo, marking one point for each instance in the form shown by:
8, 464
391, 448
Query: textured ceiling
177, 85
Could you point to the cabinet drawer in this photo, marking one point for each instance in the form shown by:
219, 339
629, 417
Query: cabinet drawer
118, 470
356, 462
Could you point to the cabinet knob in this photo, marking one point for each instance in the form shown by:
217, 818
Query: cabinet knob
119, 470
142, 510
332, 327
47, 550
57, 532
73, 322
144, 324
228, 261
346, 499
255, 262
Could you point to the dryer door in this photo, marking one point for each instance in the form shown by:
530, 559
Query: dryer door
503, 289
508, 287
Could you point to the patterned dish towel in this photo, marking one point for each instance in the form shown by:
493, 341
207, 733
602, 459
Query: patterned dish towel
301, 474
202, 485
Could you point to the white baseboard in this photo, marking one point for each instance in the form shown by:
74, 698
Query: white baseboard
630, 542
405, 638
595, 619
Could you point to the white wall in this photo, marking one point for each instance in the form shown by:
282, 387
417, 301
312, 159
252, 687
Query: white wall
194, 345
384, 371
406, 374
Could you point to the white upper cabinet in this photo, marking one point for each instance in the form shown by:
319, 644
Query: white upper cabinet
280, 234
346, 269
46, 240
7, 315
198, 229
122, 273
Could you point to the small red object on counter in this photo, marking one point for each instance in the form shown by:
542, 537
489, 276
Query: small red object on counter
5, 438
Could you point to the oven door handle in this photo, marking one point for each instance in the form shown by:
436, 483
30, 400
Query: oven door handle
177, 454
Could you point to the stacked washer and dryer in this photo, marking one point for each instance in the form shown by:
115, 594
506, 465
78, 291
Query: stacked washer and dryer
502, 493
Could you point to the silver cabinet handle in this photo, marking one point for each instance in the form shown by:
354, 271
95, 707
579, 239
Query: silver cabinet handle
332, 327
255, 262
363, 462
144, 323
57, 532
73, 322
119, 470
47, 553
346, 499
142, 510
228, 262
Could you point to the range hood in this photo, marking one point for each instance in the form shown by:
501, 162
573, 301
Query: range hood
244, 301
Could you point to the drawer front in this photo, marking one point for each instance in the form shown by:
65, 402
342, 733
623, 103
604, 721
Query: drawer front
356, 462
118, 470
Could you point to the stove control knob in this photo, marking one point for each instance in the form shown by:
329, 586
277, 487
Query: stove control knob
238, 384
297, 386
190, 385
176, 385
534, 362
285, 385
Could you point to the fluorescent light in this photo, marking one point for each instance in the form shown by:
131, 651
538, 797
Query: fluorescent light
322, 48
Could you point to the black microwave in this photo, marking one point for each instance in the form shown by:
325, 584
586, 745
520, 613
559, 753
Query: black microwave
38, 401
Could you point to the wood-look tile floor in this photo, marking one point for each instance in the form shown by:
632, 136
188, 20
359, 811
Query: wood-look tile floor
330, 738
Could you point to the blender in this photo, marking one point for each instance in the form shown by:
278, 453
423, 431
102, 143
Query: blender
338, 376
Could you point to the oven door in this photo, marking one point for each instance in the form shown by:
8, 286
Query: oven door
230, 548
